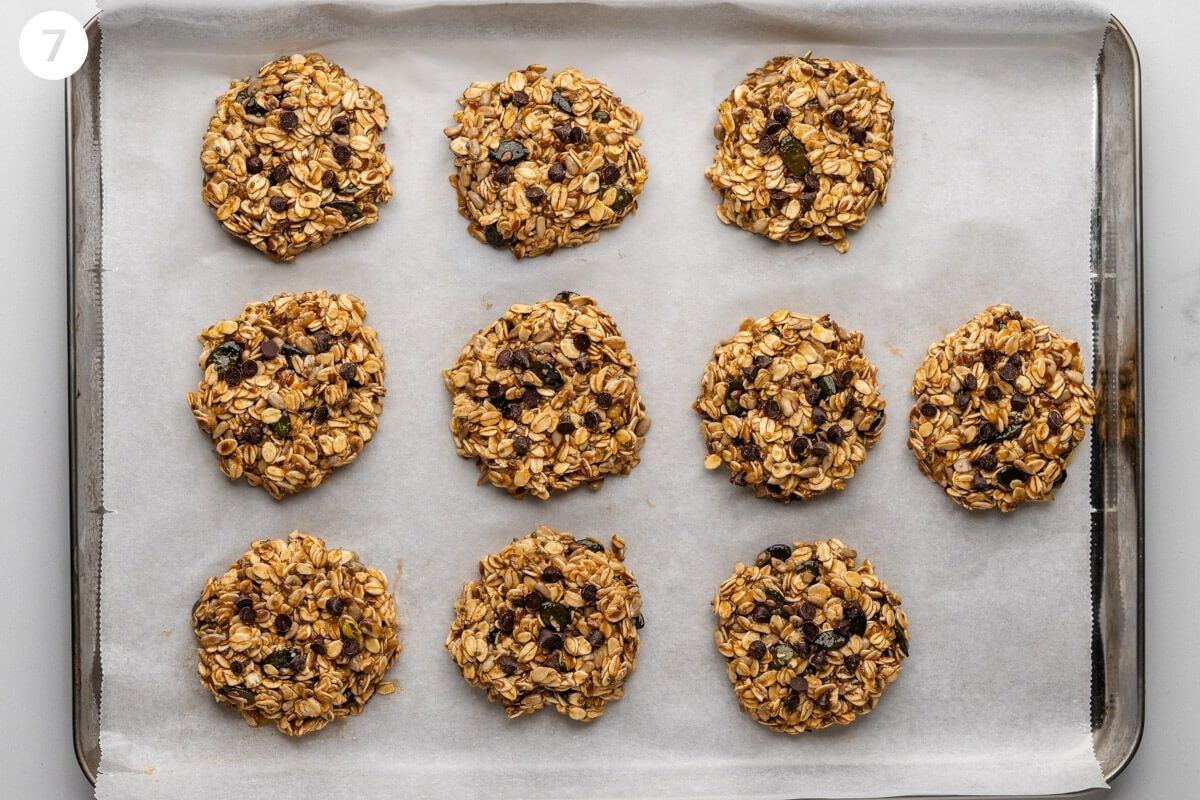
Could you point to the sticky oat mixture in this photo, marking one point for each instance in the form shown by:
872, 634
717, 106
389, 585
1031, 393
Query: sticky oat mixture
809, 637
543, 162
1001, 404
290, 389
551, 621
804, 149
295, 634
546, 398
293, 157
790, 405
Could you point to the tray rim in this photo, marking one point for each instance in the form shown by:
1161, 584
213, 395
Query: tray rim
84, 747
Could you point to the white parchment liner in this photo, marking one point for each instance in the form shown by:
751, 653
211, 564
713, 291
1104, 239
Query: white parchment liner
989, 202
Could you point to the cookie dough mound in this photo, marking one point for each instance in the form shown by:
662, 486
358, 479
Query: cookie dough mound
809, 638
295, 634
544, 162
790, 405
1001, 404
804, 148
552, 621
545, 398
290, 390
292, 158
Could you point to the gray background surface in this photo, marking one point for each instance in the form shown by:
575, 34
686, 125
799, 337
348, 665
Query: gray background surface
36, 758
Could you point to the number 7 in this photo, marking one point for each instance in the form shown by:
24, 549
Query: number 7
59, 35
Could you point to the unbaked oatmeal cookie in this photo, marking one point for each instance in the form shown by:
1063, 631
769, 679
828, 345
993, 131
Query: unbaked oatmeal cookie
543, 162
790, 405
1001, 404
546, 398
296, 635
551, 621
290, 389
293, 157
810, 639
804, 148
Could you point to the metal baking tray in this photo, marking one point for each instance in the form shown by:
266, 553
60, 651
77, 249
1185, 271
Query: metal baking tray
1117, 466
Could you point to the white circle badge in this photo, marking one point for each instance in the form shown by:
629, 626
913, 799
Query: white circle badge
53, 45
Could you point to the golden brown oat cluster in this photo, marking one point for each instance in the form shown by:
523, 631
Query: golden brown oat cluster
810, 639
544, 162
546, 398
551, 621
295, 634
290, 390
804, 148
1000, 405
292, 157
790, 405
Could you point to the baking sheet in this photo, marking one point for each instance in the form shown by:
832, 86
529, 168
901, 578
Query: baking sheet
989, 202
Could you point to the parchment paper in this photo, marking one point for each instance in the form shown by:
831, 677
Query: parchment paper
990, 202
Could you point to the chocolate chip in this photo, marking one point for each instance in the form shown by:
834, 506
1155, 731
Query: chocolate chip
588, 592
550, 640
858, 135
335, 606
812, 395
494, 389
247, 615
341, 153
506, 622
993, 393
511, 412
766, 144
288, 120
928, 410
565, 425
583, 365
849, 407
321, 414
283, 624
1055, 421
253, 434
791, 702
780, 197
986, 461
851, 662
508, 665
243, 602
820, 449
962, 399
279, 204
772, 409
837, 118
819, 417
867, 176
969, 382
798, 447
781, 114
1019, 402
254, 165
322, 340
341, 125
750, 452
520, 99
609, 175
350, 648
773, 127
530, 397
298, 661
1008, 372
581, 341
522, 360
280, 173
595, 639
503, 175
556, 173
835, 434
347, 371
761, 614
756, 650
591, 420
979, 483
807, 611
270, 348
535, 194
504, 359
807, 199
810, 631
990, 357
237, 667
1015, 358
819, 658
552, 575
521, 444
812, 181
534, 600
604, 401
822, 701
576, 135
318, 647
562, 132
762, 361
555, 662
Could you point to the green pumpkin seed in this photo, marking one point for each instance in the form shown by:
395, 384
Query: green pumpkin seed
350, 630
601, 116
509, 151
547, 374
791, 150
239, 692
901, 639
350, 211
290, 350
812, 565
249, 104
349, 188
282, 427
1010, 432
775, 597
622, 197
280, 658
556, 616
782, 655
829, 640
639, 622
563, 103
827, 385
224, 356
591, 544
